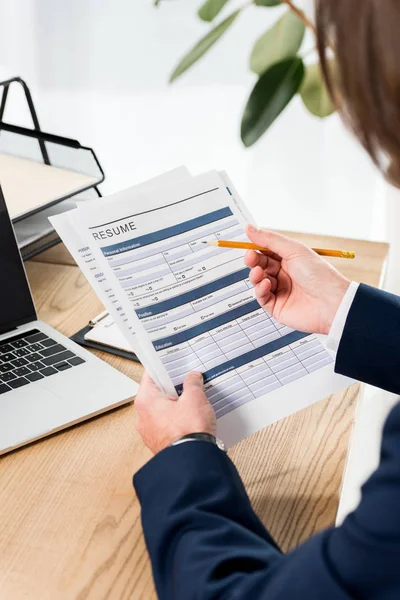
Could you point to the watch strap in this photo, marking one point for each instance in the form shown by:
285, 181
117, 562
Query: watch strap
202, 437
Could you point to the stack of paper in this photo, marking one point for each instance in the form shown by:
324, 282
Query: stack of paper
107, 333
28, 186
182, 305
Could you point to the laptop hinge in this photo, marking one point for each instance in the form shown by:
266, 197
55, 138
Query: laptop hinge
7, 330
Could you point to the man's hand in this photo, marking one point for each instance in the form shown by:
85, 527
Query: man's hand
294, 285
163, 420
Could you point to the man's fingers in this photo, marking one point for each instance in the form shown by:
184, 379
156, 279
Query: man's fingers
254, 259
275, 242
274, 284
148, 383
193, 381
193, 385
256, 275
148, 390
265, 297
263, 291
147, 379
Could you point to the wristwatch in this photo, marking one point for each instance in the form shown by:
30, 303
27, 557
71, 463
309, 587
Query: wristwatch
202, 437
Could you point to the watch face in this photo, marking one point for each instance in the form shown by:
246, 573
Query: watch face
220, 445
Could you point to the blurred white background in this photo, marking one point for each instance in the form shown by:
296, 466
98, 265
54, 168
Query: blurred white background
99, 69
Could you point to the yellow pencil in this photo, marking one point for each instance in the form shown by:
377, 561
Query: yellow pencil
249, 246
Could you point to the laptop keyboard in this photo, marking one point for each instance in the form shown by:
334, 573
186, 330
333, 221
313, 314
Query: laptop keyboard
32, 356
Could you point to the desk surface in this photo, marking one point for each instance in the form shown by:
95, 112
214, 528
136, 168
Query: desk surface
69, 518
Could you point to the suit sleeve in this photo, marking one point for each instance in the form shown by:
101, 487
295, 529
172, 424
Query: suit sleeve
205, 541
369, 349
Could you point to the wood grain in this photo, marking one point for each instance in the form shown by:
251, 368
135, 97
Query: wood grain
57, 255
69, 518
296, 490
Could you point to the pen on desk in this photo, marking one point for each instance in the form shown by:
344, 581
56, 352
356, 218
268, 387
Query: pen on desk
249, 246
99, 318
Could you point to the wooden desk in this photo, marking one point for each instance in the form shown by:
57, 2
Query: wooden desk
69, 518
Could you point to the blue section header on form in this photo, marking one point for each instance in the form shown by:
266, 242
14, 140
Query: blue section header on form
168, 232
249, 357
192, 332
209, 288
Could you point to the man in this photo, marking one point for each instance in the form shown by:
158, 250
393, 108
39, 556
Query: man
205, 541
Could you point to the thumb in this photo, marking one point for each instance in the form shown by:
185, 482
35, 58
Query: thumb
276, 242
193, 383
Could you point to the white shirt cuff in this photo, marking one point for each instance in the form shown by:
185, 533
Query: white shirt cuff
336, 331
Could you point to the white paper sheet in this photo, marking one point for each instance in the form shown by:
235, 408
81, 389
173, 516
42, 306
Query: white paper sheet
192, 306
91, 268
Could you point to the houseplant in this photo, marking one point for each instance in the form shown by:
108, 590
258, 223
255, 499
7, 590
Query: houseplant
276, 59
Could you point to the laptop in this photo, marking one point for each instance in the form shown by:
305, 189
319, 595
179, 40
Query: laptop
47, 382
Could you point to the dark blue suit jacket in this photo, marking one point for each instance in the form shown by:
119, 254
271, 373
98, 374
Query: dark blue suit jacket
205, 541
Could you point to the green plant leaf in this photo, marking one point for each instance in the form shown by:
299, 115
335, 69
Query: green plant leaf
271, 94
314, 93
281, 41
210, 9
202, 46
267, 2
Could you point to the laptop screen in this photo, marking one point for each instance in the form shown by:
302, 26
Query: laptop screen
16, 305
